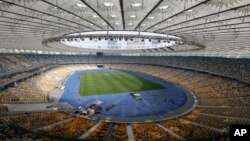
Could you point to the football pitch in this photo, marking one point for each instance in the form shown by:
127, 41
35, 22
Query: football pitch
96, 83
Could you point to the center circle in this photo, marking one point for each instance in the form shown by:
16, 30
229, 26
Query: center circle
152, 100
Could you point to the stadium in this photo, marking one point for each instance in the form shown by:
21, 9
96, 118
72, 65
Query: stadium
124, 70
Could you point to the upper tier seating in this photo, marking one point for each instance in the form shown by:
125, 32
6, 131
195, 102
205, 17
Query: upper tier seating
231, 67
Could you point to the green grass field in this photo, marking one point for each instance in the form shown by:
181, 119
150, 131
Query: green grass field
95, 83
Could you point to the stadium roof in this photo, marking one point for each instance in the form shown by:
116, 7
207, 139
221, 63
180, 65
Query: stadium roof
221, 25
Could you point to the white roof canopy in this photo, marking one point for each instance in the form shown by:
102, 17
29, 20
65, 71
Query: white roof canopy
223, 26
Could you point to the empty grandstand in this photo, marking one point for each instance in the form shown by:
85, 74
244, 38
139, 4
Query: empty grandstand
118, 70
